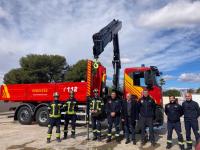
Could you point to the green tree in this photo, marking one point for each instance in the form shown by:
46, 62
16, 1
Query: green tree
172, 92
38, 69
191, 91
198, 91
77, 72
162, 82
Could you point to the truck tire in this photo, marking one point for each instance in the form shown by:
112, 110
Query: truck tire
42, 116
24, 115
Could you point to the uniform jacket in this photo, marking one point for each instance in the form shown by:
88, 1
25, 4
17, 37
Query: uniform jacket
54, 110
173, 111
191, 110
97, 104
113, 106
71, 106
147, 107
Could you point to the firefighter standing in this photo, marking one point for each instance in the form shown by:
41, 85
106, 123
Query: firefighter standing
191, 112
174, 111
54, 118
147, 113
70, 108
129, 117
113, 110
96, 109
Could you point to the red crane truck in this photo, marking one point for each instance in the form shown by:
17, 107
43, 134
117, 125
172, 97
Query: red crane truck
34, 98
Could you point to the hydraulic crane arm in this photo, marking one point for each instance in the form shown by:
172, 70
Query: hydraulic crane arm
101, 39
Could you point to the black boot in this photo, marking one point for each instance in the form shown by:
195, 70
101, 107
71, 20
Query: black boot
58, 140
153, 143
127, 141
108, 140
118, 139
48, 140
134, 142
189, 146
94, 138
65, 136
143, 142
99, 138
169, 145
73, 135
181, 146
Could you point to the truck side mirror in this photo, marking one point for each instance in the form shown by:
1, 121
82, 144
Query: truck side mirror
148, 78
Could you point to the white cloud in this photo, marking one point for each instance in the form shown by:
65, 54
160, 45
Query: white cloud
126, 60
180, 13
3, 14
66, 27
168, 77
189, 77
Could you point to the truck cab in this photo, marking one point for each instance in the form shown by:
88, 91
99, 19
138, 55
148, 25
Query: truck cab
137, 79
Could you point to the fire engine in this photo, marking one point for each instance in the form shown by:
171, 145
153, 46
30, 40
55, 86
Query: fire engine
34, 98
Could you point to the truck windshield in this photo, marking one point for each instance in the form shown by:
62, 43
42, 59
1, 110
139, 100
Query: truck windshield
147, 78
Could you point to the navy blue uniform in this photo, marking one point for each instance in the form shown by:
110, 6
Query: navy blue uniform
54, 119
70, 108
147, 113
174, 111
130, 115
113, 105
191, 112
96, 104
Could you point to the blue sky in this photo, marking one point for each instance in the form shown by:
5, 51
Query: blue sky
164, 33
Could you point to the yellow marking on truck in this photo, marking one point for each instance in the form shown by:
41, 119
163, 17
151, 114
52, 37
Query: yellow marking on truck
89, 76
104, 77
6, 93
39, 90
137, 90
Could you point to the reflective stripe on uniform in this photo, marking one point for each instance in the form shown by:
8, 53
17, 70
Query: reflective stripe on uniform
109, 134
98, 131
116, 135
53, 111
169, 141
73, 130
49, 126
49, 135
181, 143
189, 142
94, 131
92, 104
70, 112
55, 116
57, 135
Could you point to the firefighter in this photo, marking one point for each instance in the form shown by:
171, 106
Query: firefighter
54, 118
147, 108
174, 111
113, 111
70, 108
191, 113
129, 116
96, 109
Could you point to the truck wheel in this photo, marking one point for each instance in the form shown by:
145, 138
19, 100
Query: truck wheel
42, 116
24, 115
